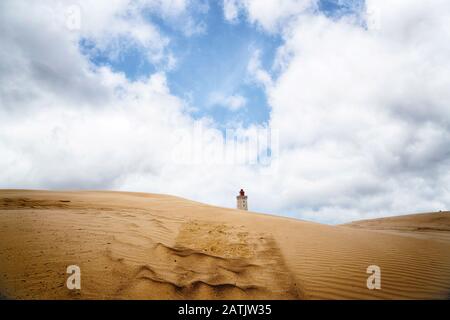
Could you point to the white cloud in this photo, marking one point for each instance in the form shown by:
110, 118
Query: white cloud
257, 72
269, 14
65, 123
231, 10
180, 14
113, 27
363, 113
232, 102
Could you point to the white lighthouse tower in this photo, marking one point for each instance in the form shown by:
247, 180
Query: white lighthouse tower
242, 200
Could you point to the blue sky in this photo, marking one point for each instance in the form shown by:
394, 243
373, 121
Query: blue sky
213, 61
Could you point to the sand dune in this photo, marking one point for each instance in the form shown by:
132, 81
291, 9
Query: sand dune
146, 246
433, 226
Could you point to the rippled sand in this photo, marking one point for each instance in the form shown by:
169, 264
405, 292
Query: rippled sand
146, 246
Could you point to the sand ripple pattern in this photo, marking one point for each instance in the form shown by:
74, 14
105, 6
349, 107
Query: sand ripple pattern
144, 246
213, 261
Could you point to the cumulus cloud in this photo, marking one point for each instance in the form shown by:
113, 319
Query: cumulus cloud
110, 28
231, 10
232, 102
271, 15
363, 112
257, 73
66, 123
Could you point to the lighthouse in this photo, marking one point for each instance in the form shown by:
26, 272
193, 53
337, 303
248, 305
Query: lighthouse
242, 200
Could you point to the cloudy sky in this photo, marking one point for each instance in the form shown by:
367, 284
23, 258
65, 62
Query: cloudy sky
349, 102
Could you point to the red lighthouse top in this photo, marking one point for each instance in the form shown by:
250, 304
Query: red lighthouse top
242, 193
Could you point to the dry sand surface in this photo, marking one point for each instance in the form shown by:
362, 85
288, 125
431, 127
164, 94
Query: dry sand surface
433, 226
146, 246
